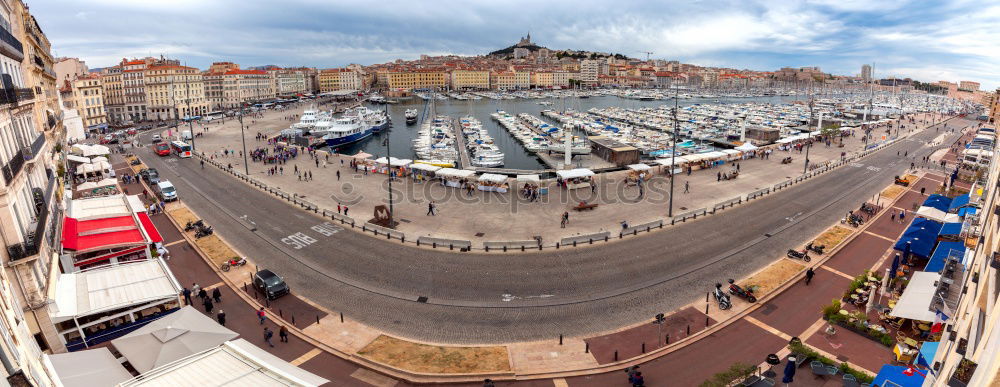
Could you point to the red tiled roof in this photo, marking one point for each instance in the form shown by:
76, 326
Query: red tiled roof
246, 72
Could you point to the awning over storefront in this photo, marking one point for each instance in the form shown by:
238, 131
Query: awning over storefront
234, 363
112, 287
944, 250
99, 234
927, 352
959, 202
915, 302
172, 337
93, 367
98, 207
953, 228
149, 228
891, 375
939, 202
921, 235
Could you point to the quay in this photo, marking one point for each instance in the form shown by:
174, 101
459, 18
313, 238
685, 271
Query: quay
463, 151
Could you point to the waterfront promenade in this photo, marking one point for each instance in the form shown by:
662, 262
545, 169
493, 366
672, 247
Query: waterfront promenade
490, 216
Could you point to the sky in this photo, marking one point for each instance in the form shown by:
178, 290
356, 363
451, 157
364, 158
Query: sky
925, 40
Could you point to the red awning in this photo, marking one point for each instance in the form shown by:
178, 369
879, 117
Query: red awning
96, 226
107, 257
147, 224
100, 234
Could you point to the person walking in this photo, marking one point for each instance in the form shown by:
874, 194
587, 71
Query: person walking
430, 208
268, 334
638, 381
208, 305
195, 288
338, 175
565, 219
261, 315
202, 294
632, 371
922, 189
809, 275
902, 216
892, 217
187, 296
217, 295
345, 210
221, 317
687, 187
283, 334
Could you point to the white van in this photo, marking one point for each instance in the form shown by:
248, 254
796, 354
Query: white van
186, 135
166, 191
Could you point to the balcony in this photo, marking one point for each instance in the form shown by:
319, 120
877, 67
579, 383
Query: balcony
13, 167
10, 46
14, 95
35, 148
33, 241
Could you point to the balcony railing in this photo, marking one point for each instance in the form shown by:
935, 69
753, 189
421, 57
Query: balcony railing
33, 241
13, 167
14, 95
7, 37
36, 147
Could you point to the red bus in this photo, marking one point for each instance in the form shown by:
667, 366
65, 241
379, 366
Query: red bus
161, 148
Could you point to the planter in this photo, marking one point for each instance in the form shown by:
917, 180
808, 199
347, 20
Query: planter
962, 374
863, 333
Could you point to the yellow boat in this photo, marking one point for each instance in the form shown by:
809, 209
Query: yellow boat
437, 163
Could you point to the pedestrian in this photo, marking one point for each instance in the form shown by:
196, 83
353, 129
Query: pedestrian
268, 334
922, 190
203, 294
338, 208
488, 383
195, 288
686, 187
208, 305
809, 275
283, 334
345, 210
718, 176
632, 371
430, 208
565, 217
221, 317
187, 296
637, 380
902, 216
892, 217
217, 295
338, 175
261, 315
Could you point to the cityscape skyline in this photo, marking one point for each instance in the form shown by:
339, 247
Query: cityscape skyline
835, 36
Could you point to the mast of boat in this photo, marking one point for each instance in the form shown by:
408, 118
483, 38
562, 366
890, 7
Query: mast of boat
808, 143
673, 154
388, 158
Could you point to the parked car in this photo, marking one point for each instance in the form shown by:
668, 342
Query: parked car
166, 191
150, 175
272, 285
156, 138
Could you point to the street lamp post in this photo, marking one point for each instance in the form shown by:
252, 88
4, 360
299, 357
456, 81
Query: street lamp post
243, 136
388, 157
673, 156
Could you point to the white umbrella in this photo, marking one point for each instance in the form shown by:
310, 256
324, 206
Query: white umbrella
99, 158
107, 182
885, 286
172, 337
85, 186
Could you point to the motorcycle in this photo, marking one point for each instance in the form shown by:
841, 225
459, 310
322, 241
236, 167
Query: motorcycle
203, 232
868, 209
803, 255
229, 264
193, 225
736, 290
818, 249
721, 297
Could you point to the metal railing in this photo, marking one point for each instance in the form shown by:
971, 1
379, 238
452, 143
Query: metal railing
7, 37
35, 148
13, 167
32, 242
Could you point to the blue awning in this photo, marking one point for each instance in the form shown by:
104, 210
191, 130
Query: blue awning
922, 235
894, 374
927, 351
944, 249
951, 229
967, 211
940, 202
959, 201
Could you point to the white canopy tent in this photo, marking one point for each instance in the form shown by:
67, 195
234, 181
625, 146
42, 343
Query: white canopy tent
425, 167
77, 159
574, 173
90, 150
938, 215
98, 208
99, 158
730, 153
746, 147
535, 179
393, 161
668, 162
455, 173
93, 367
86, 186
639, 167
94, 291
915, 302
493, 178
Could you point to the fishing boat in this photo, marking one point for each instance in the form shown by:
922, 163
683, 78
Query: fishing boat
435, 142
341, 131
482, 151
411, 116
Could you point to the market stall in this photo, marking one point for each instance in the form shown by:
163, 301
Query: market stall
452, 177
493, 182
530, 186
576, 178
423, 172
639, 171
400, 167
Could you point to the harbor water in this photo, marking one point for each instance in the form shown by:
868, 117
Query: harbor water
516, 156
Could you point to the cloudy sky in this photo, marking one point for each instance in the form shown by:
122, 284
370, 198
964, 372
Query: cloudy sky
926, 40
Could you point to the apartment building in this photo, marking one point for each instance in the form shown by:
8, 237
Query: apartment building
29, 197
470, 79
88, 95
174, 92
417, 79
968, 85
240, 87
589, 70
114, 94
339, 79
294, 81
68, 69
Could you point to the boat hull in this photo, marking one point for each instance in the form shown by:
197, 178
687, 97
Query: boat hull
347, 140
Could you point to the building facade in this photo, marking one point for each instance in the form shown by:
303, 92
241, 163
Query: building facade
470, 79
339, 79
174, 92
88, 95
68, 69
417, 79
240, 87
968, 85
866, 72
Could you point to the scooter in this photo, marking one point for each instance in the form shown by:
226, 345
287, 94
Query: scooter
736, 290
233, 263
721, 297
203, 232
818, 249
795, 254
193, 225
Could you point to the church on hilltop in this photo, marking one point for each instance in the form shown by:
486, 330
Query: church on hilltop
525, 41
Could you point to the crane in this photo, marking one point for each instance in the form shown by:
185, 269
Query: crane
647, 54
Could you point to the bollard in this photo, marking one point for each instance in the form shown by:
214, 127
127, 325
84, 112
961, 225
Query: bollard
689, 330
279, 314
706, 308
317, 319
245, 288
341, 317
667, 338
560, 339
574, 243
706, 321
267, 301
293, 319
643, 347
616, 355
586, 348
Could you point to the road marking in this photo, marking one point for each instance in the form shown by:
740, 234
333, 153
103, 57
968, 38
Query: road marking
298, 240
306, 356
837, 272
770, 329
560, 382
326, 229
179, 241
215, 285
812, 329
373, 378
874, 169
879, 236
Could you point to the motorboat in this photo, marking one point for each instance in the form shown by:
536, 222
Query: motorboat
411, 116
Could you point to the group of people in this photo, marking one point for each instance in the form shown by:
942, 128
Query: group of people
530, 192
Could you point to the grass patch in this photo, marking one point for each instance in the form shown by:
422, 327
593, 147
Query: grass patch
773, 276
436, 359
216, 250
833, 237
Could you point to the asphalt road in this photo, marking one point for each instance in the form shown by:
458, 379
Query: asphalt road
491, 298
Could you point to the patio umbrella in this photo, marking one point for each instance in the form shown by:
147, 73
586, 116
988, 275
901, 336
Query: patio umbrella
894, 267
172, 337
871, 301
885, 286
789, 371
906, 252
